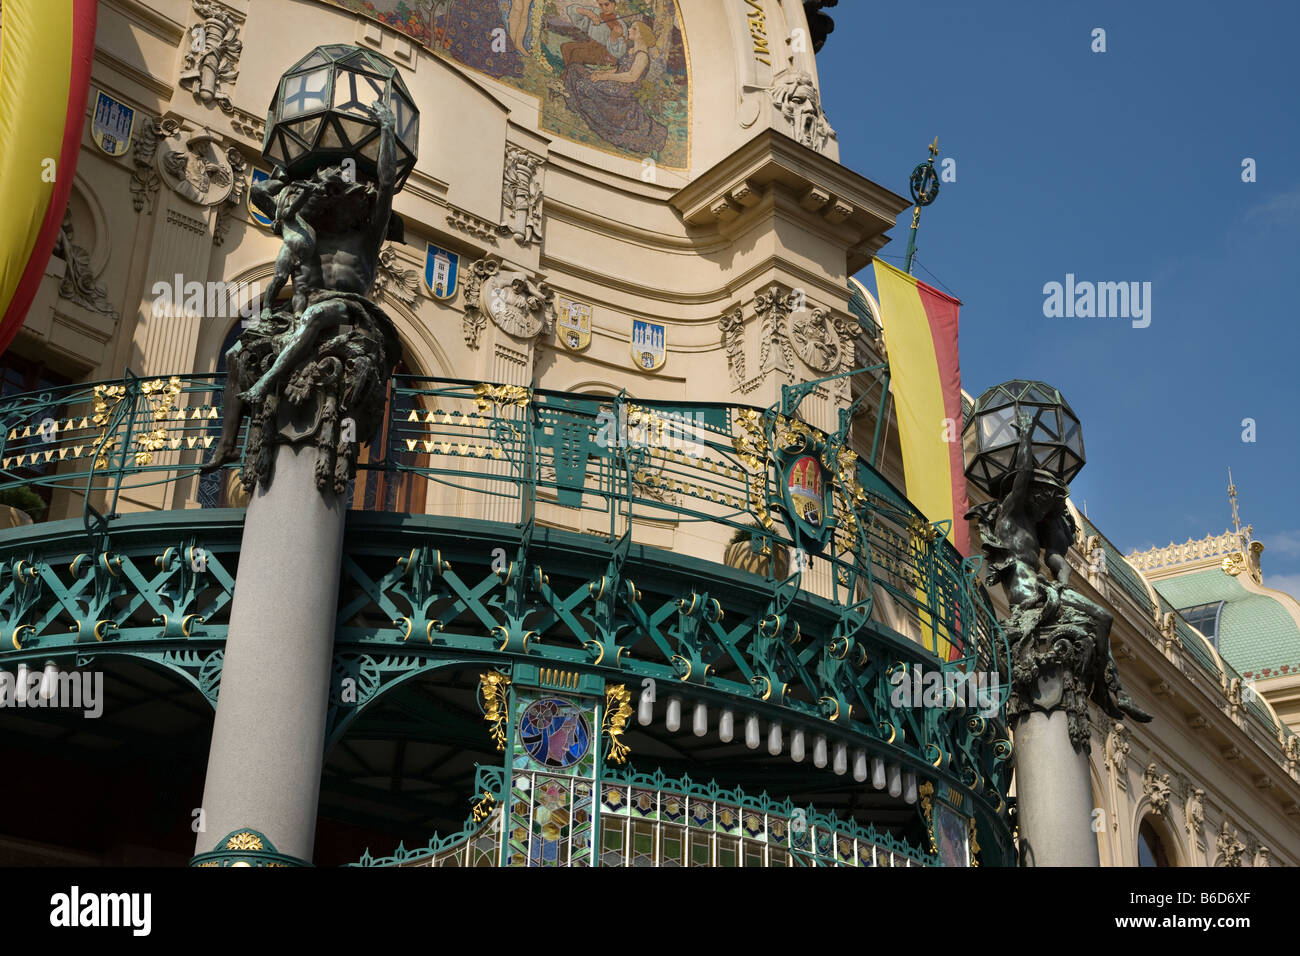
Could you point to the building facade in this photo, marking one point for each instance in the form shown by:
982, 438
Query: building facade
621, 584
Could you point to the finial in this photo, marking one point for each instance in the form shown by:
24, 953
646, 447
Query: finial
1232, 496
934, 147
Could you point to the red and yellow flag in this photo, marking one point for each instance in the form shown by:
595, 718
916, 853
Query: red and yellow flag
920, 326
44, 80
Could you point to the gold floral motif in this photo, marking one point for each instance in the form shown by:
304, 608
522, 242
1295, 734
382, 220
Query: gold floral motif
926, 794
499, 395
483, 807
1234, 564
618, 708
244, 841
974, 843
750, 443
922, 530
107, 398
791, 432
493, 686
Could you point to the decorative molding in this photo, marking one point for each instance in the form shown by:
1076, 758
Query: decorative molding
209, 68
145, 178
816, 341
235, 201
179, 219
772, 308
254, 127
80, 285
466, 222
516, 304
521, 196
732, 325
1190, 551
195, 167
1157, 789
1194, 812
393, 281
1229, 846
1117, 748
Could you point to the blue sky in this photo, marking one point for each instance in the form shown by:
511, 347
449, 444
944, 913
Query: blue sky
1117, 166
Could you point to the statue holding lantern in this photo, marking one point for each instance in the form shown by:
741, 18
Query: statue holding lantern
1023, 446
342, 134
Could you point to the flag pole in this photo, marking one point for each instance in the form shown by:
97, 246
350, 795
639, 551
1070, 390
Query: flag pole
924, 185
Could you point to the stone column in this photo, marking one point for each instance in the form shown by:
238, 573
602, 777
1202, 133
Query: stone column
268, 740
1053, 793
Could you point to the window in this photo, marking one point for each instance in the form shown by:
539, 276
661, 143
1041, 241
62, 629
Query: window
1205, 618
1151, 848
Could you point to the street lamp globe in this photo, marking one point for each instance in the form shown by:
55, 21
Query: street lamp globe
320, 114
989, 437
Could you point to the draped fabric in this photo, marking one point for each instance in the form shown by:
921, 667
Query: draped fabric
45, 61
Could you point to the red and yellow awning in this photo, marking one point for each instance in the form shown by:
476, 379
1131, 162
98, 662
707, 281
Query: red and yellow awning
44, 80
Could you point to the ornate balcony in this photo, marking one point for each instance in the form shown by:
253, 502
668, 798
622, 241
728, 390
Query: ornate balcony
591, 543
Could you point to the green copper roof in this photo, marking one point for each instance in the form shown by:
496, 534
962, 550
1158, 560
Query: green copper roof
1121, 571
1255, 631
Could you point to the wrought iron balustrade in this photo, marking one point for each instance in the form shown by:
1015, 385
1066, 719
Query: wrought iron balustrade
530, 457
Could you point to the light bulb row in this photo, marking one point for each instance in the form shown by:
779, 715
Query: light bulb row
45, 691
883, 776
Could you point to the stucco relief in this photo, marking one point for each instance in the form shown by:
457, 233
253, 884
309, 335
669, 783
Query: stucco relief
516, 304
816, 340
213, 52
797, 101
521, 196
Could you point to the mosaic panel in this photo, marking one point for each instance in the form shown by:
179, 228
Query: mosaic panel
610, 74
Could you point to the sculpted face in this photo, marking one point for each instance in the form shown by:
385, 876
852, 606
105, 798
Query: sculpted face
344, 202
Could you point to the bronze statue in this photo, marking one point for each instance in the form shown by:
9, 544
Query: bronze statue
295, 383
1060, 640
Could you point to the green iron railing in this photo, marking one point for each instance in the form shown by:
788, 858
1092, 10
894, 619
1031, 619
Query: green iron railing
523, 456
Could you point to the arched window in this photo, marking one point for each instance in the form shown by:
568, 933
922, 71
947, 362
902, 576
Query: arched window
1151, 846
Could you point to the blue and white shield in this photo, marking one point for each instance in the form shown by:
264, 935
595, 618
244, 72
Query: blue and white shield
440, 271
112, 123
259, 217
649, 347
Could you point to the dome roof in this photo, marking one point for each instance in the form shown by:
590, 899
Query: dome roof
1257, 631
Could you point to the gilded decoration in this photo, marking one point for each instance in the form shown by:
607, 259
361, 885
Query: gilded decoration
611, 75
161, 396
244, 841
483, 807
493, 688
499, 395
618, 709
925, 795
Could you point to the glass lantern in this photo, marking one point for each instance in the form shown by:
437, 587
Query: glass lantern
989, 437
320, 113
